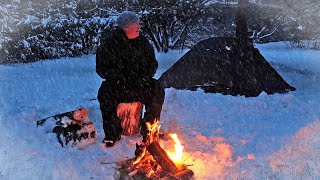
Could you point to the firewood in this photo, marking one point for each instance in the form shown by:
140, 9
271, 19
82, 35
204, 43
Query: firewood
162, 158
132, 173
184, 175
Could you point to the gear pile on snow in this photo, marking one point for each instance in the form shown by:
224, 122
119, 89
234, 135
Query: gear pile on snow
72, 128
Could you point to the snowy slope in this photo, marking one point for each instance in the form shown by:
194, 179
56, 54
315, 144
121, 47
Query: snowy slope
225, 137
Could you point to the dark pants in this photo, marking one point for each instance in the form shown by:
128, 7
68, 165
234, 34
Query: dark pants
150, 93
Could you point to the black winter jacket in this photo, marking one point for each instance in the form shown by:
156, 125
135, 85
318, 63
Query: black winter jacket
123, 61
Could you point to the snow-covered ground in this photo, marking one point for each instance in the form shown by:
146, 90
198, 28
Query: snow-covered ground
224, 137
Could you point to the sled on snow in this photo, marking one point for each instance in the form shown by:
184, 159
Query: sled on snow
76, 129
72, 128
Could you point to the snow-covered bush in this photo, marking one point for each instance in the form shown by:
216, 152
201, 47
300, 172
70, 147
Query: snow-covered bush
54, 40
48, 31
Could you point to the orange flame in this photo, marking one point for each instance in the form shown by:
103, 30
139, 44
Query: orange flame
153, 136
176, 156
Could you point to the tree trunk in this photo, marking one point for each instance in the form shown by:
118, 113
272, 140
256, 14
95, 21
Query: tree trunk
130, 116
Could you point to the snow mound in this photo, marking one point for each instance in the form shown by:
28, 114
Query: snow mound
301, 156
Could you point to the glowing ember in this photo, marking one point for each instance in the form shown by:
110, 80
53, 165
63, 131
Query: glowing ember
177, 155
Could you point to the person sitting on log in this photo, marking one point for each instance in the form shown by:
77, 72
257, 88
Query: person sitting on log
126, 61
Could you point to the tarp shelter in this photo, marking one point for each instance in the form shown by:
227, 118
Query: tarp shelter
225, 65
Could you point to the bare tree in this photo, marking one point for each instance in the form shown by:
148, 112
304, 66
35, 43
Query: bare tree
167, 23
306, 13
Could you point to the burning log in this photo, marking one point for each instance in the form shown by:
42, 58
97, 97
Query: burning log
153, 162
162, 158
182, 175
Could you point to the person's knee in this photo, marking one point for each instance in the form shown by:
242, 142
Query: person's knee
107, 95
160, 92
158, 87
101, 93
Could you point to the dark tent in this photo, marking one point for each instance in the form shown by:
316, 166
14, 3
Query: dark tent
225, 65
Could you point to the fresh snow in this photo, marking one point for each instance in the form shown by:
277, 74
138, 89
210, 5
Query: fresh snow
224, 137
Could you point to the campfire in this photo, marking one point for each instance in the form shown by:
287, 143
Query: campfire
153, 162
